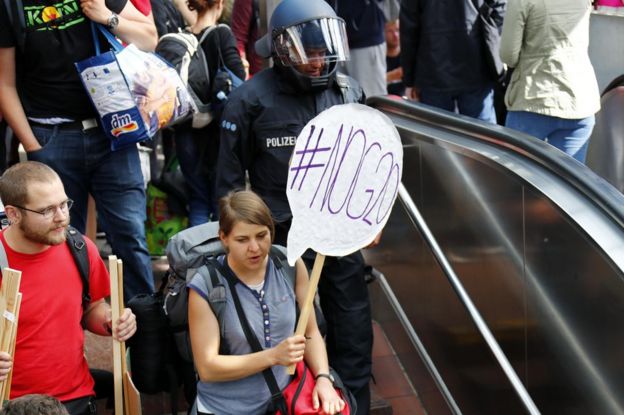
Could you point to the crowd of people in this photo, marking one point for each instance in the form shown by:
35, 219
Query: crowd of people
315, 54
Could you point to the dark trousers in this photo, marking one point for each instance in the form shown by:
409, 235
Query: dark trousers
346, 307
81, 406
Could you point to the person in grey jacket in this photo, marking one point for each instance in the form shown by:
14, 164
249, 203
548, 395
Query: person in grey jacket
443, 54
553, 93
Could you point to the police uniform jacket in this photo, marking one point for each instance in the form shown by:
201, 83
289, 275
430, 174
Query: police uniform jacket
259, 128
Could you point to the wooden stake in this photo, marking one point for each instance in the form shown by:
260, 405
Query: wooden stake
91, 231
307, 306
10, 299
117, 353
132, 397
7, 387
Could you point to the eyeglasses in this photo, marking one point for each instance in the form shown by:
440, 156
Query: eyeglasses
50, 211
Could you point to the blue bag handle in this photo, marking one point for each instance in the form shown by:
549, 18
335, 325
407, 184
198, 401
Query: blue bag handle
112, 40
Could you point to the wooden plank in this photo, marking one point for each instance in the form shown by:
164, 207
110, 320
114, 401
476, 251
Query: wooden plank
120, 300
124, 355
91, 231
134, 397
9, 299
308, 305
8, 294
117, 356
7, 392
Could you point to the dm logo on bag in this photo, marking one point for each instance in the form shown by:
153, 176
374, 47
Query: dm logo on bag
123, 124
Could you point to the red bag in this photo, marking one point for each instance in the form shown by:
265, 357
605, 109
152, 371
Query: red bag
298, 393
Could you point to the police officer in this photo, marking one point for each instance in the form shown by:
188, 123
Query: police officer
259, 128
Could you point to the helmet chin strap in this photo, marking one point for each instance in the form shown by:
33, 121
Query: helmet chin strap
305, 83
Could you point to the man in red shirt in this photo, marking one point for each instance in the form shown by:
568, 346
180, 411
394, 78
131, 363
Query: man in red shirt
49, 353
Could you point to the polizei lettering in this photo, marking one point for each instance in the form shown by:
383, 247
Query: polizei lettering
281, 141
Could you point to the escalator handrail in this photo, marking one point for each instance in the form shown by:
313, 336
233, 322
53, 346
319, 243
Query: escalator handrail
602, 194
465, 299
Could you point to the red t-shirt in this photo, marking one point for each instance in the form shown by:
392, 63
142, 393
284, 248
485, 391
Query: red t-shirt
49, 352
144, 6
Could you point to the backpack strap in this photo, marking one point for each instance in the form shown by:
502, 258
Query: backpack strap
278, 255
216, 290
204, 61
277, 399
78, 249
216, 297
221, 62
207, 32
4, 261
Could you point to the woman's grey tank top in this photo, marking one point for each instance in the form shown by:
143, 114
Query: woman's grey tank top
271, 315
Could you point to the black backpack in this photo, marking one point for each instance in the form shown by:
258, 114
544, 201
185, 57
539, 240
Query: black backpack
192, 252
167, 17
160, 351
184, 52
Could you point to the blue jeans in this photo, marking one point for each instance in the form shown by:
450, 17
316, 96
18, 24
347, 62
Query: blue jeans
202, 205
569, 136
478, 103
86, 165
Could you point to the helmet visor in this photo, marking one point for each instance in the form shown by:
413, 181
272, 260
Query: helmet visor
323, 40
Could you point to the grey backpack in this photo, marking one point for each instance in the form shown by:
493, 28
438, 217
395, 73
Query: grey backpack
193, 252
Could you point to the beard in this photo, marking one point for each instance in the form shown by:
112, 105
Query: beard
45, 235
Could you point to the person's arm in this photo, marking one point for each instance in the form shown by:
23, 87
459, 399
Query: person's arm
189, 16
241, 25
394, 75
98, 320
133, 27
234, 144
214, 367
10, 103
324, 394
499, 8
230, 54
513, 33
409, 27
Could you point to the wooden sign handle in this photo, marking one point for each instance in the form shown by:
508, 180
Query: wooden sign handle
308, 305
113, 271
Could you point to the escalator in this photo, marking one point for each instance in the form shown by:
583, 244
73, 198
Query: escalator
514, 302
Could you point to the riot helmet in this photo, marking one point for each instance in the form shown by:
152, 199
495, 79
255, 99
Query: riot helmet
306, 40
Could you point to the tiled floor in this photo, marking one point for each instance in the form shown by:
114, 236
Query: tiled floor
390, 381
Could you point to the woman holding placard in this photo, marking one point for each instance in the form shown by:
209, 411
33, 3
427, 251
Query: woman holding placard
234, 382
